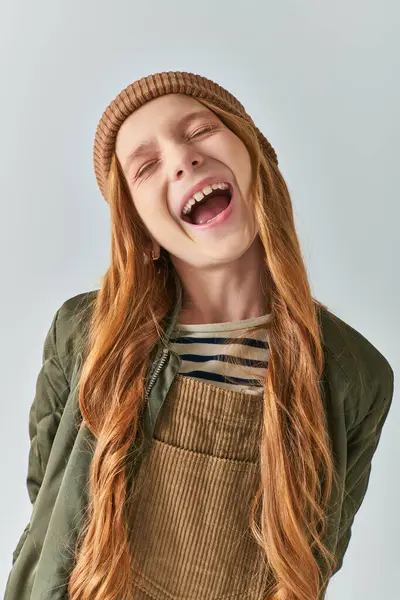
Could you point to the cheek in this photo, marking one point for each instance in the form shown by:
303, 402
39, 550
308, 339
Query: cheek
150, 208
240, 163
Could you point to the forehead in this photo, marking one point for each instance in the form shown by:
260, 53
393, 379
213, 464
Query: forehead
156, 116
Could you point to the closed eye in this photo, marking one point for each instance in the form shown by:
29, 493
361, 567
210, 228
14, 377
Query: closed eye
145, 168
203, 130
196, 133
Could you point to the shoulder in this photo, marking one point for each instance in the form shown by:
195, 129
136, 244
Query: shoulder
355, 363
71, 322
75, 308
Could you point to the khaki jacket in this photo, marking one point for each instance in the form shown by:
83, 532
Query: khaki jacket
60, 454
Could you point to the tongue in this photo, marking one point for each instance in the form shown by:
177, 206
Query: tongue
208, 209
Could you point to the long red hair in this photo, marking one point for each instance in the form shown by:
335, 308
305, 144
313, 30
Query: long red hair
127, 321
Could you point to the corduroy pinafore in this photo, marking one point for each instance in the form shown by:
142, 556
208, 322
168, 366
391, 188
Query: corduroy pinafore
189, 512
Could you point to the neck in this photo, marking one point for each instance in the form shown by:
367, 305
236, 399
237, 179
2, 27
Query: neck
224, 293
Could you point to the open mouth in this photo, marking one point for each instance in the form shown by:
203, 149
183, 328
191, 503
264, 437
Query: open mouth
209, 207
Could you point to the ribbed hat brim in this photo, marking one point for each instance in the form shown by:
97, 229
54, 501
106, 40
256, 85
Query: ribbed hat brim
147, 88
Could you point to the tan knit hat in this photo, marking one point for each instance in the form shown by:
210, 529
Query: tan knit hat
147, 88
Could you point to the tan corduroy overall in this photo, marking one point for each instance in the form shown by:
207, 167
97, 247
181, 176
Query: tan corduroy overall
189, 515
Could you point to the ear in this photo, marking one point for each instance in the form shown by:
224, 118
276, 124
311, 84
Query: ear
154, 247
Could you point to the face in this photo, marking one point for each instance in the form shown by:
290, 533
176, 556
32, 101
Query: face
184, 144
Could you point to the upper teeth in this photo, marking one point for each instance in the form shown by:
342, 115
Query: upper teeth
198, 196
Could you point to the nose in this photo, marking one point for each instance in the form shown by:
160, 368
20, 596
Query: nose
182, 160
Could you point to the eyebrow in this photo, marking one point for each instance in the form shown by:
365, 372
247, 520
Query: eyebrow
144, 146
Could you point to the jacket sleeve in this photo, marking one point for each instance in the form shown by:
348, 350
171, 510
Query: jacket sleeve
52, 389
362, 441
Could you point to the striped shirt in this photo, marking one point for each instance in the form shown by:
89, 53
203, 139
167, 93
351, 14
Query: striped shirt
206, 353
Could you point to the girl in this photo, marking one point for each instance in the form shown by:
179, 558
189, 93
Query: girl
203, 427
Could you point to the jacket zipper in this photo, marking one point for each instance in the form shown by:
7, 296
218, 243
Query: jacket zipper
156, 373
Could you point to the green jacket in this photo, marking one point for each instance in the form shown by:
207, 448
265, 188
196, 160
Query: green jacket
60, 452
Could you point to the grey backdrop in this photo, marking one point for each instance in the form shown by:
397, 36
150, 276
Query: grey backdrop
322, 82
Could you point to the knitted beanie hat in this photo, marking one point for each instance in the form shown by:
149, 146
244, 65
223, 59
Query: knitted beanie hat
147, 88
